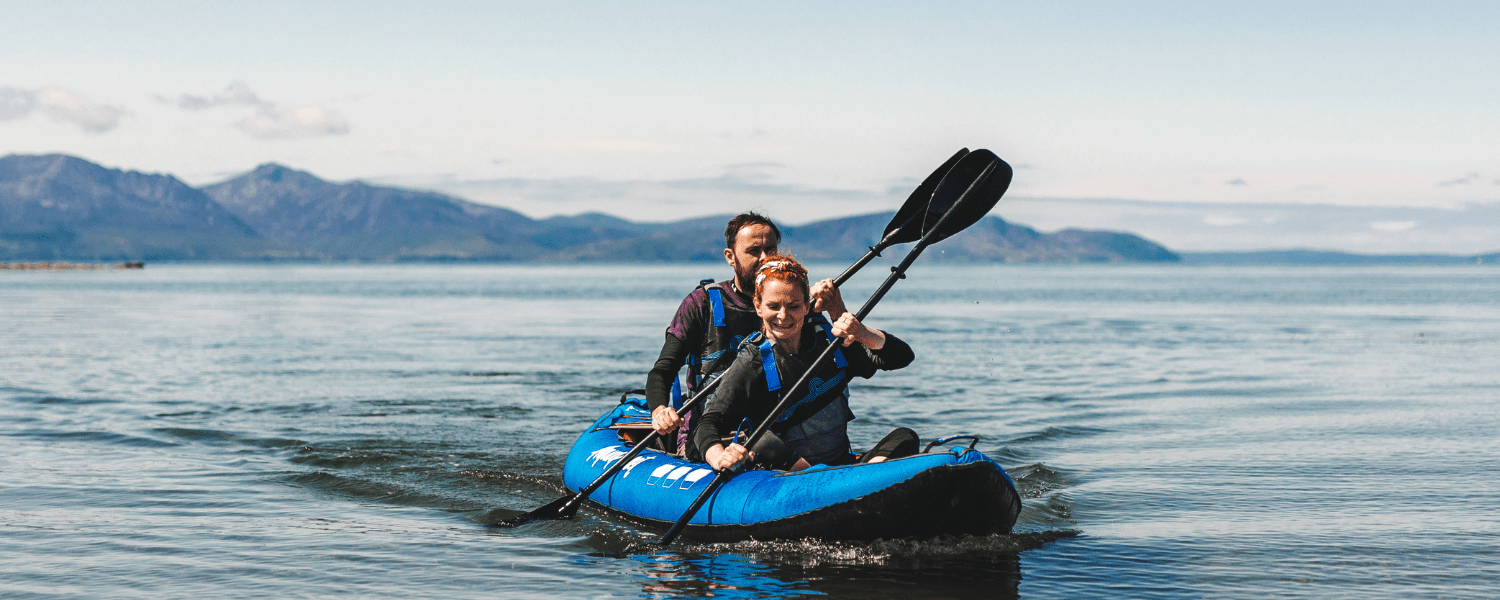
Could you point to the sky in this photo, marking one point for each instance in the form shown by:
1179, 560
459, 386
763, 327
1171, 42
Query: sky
1362, 126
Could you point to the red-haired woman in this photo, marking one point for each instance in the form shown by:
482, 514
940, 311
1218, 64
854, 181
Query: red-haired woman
815, 429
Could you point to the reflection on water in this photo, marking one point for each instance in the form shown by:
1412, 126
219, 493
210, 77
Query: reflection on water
945, 567
1175, 431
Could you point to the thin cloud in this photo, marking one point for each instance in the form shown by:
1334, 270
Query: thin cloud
270, 120
753, 171
237, 94
755, 165
1465, 180
754, 133
1224, 220
1392, 226
294, 122
60, 104
15, 103
1239, 181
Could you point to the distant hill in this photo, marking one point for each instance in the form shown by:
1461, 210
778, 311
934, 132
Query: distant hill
64, 208
359, 221
59, 207
992, 239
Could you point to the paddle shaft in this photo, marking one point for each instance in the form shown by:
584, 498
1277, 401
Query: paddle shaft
897, 273
874, 252
572, 505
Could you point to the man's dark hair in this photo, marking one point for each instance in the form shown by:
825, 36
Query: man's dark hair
743, 219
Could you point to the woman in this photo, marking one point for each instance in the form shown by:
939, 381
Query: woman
814, 430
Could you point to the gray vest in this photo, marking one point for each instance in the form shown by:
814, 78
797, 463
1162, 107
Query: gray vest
824, 437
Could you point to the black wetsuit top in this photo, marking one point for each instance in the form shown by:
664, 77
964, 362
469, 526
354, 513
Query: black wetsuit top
745, 391
711, 321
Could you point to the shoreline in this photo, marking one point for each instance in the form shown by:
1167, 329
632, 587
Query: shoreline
67, 266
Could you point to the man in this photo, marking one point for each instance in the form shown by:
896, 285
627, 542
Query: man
711, 321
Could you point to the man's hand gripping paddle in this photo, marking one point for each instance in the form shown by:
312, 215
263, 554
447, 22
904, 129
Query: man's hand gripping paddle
967, 192
906, 226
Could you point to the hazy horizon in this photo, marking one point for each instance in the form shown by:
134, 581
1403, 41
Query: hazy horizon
1362, 127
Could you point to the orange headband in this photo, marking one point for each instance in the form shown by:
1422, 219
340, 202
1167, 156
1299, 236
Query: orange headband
788, 270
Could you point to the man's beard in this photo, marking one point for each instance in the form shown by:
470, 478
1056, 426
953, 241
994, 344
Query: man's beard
748, 278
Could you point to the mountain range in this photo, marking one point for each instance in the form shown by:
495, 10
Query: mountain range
58, 207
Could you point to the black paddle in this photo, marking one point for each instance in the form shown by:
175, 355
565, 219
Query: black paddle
566, 506
968, 192
904, 227
901, 229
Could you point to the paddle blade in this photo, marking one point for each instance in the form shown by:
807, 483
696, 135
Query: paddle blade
556, 509
967, 209
903, 225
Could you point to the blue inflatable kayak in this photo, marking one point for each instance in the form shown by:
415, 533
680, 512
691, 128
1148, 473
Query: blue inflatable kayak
953, 490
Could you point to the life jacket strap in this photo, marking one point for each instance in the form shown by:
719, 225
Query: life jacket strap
768, 363
693, 360
838, 353
716, 301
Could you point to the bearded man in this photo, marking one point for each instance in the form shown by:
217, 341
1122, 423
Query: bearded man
711, 321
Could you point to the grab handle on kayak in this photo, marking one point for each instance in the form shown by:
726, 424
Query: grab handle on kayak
625, 396
973, 439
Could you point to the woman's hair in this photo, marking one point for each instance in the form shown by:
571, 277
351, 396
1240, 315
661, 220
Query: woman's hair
781, 267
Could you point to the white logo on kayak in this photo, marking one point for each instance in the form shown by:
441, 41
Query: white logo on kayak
656, 475
608, 456
633, 463
668, 476
693, 477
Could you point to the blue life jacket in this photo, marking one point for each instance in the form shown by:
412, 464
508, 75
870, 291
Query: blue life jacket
730, 326
817, 387
815, 426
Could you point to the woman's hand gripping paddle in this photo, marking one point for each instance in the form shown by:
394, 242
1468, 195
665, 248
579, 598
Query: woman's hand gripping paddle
904, 227
967, 192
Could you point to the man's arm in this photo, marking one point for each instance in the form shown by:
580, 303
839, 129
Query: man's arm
659, 381
687, 324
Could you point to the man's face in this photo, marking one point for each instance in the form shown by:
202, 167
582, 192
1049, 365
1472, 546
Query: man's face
751, 244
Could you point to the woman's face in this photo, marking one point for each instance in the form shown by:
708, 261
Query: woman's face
782, 308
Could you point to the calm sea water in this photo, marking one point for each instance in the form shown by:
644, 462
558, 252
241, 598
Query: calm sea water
1177, 431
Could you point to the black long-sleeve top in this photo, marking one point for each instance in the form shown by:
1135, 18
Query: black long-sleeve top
686, 335
744, 391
